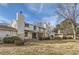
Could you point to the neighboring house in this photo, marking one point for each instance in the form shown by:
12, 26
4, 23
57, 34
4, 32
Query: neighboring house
7, 31
28, 31
65, 28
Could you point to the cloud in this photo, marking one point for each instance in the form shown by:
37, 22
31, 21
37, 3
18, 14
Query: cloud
37, 7
4, 4
25, 15
32, 6
41, 7
4, 20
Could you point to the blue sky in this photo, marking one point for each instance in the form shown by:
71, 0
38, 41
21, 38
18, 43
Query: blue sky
33, 12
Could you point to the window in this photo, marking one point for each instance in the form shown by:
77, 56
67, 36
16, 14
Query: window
34, 27
26, 33
26, 25
33, 35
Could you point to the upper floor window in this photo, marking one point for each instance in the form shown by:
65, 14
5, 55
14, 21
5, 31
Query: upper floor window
26, 25
34, 27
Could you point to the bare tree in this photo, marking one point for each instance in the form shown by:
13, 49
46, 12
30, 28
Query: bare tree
69, 11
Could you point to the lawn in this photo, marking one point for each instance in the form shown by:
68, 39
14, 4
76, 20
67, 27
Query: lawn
46, 47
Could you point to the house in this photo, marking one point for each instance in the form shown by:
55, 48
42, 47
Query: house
26, 30
19, 28
7, 31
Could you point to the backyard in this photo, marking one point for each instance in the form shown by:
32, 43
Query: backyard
44, 47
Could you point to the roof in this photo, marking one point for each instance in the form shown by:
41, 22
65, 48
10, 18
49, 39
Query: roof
7, 28
36, 25
34, 31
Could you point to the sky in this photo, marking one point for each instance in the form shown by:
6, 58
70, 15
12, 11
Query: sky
33, 12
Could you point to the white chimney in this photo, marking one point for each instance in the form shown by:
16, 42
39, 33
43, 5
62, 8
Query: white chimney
20, 24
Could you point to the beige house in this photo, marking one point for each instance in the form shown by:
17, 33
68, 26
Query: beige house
28, 31
24, 30
34, 32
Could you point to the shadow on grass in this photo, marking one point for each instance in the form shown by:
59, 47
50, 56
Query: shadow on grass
55, 41
39, 43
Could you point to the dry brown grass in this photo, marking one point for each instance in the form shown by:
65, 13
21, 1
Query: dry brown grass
48, 47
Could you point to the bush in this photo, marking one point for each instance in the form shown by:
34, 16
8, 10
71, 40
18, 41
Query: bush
47, 38
14, 39
67, 37
70, 37
57, 38
40, 38
64, 37
8, 40
19, 42
44, 38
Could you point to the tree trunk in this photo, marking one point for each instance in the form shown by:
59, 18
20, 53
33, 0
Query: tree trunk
74, 31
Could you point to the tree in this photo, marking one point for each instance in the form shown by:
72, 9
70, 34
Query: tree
70, 12
66, 27
58, 26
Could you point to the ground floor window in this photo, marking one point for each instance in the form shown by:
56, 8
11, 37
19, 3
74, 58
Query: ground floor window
40, 35
33, 35
26, 34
